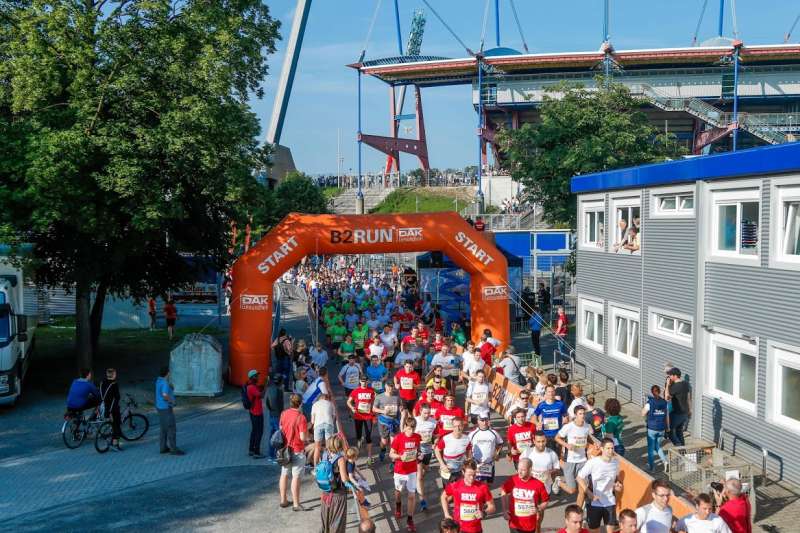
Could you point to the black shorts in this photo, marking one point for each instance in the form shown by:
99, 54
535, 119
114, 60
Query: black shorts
360, 352
486, 478
426, 459
596, 515
170, 322
454, 476
364, 427
408, 405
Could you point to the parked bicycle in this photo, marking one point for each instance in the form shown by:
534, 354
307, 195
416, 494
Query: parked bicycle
77, 427
133, 425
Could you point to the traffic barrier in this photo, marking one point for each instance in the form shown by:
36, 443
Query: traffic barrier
636, 482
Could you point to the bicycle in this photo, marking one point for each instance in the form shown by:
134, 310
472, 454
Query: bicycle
133, 426
77, 427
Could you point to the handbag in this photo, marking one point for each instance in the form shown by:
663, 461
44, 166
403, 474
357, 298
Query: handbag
283, 456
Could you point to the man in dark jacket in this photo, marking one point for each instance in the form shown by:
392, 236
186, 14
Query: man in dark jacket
109, 392
274, 399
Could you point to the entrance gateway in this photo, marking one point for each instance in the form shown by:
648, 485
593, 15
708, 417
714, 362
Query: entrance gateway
298, 235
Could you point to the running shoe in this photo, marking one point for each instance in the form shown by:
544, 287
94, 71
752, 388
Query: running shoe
423, 505
398, 512
556, 485
410, 525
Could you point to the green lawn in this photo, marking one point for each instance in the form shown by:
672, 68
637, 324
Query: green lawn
331, 192
408, 200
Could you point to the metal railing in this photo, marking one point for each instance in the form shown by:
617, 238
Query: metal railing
394, 180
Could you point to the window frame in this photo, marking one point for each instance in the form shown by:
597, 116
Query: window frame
655, 202
739, 345
597, 204
653, 329
781, 190
777, 355
626, 200
586, 303
631, 313
748, 191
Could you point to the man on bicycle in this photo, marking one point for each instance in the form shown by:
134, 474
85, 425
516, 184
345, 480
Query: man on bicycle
82, 393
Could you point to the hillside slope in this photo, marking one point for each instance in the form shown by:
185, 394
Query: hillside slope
425, 200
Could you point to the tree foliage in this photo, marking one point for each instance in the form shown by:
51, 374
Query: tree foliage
127, 139
296, 193
580, 131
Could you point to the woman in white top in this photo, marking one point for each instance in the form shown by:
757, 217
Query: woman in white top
577, 394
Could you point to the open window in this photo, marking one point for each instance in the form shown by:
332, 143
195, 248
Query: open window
592, 229
733, 372
736, 223
785, 221
627, 226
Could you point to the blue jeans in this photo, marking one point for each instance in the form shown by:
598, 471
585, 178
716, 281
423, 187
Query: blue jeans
654, 447
283, 366
678, 421
274, 424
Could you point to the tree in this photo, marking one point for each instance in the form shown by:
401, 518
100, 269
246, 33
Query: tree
127, 139
580, 131
296, 193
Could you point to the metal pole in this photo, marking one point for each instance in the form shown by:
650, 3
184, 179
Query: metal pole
721, 17
497, 21
479, 192
606, 37
735, 96
397, 24
360, 194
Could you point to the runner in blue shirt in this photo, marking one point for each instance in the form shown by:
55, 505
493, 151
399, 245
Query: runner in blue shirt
376, 374
550, 414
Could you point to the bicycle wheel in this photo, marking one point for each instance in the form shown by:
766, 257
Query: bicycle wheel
102, 440
134, 426
73, 432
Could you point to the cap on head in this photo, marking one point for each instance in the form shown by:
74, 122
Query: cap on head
253, 373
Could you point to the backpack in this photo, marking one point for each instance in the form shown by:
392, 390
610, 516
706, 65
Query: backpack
245, 398
277, 440
326, 473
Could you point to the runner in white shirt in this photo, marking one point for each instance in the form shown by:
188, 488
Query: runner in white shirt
544, 465
477, 398
389, 339
376, 349
486, 445
574, 437
451, 452
426, 427
604, 471
656, 517
472, 362
349, 374
703, 520
578, 399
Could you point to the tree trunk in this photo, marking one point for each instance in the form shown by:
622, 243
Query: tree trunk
96, 317
83, 337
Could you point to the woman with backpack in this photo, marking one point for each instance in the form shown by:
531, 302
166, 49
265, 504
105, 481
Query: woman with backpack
109, 392
331, 478
656, 413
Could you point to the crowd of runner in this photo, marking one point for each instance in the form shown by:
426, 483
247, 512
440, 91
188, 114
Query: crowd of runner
401, 362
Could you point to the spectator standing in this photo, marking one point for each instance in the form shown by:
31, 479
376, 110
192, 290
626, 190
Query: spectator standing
295, 427
656, 414
536, 322
679, 394
151, 312
563, 388
544, 298
274, 402
510, 363
734, 507
109, 392
319, 356
171, 314
614, 424
524, 499
561, 328
282, 347
479, 225
254, 396
323, 423
333, 503
702, 520
656, 517
604, 472
165, 401
472, 500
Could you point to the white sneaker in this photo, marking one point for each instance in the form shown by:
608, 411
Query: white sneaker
556, 488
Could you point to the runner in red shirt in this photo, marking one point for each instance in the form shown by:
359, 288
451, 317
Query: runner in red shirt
360, 404
431, 401
439, 384
407, 381
573, 519
447, 415
487, 350
171, 314
520, 435
524, 499
472, 500
405, 452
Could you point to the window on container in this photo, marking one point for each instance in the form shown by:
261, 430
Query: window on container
737, 227
735, 374
592, 324
676, 204
673, 326
790, 392
627, 229
594, 226
626, 335
790, 244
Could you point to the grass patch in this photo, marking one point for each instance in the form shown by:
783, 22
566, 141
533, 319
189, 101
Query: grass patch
408, 200
331, 192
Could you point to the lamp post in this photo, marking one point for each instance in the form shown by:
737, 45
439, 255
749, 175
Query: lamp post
360, 193
479, 192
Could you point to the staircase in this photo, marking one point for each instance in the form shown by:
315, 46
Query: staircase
765, 126
345, 203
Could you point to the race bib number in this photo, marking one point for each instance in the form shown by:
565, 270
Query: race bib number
485, 469
550, 423
523, 445
409, 455
447, 422
363, 407
406, 383
479, 397
426, 436
352, 379
524, 508
541, 475
469, 512
390, 410
579, 442
377, 385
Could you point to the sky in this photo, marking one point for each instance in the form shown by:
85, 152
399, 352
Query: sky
323, 105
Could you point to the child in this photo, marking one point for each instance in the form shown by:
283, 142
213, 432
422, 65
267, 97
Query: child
355, 477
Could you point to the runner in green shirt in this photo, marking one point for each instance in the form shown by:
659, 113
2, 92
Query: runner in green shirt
457, 334
360, 333
347, 348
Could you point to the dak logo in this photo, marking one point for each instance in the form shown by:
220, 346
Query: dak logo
409, 234
495, 292
254, 302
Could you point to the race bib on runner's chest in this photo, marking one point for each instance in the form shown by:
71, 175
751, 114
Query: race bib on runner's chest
541, 475
409, 455
406, 383
469, 512
479, 397
377, 385
426, 436
447, 422
485, 469
550, 423
390, 410
523, 445
363, 407
524, 508
352, 379
579, 442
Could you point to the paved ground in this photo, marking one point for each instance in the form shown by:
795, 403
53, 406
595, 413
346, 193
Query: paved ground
215, 487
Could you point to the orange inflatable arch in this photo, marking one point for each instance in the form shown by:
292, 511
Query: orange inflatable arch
298, 235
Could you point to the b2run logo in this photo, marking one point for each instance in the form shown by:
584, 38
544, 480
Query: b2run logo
372, 236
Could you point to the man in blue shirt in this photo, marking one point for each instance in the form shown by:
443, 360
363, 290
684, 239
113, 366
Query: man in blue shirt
82, 393
165, 400
550, 414
535, 323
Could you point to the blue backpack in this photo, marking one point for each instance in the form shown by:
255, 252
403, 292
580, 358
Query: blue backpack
326, 473
246, 403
